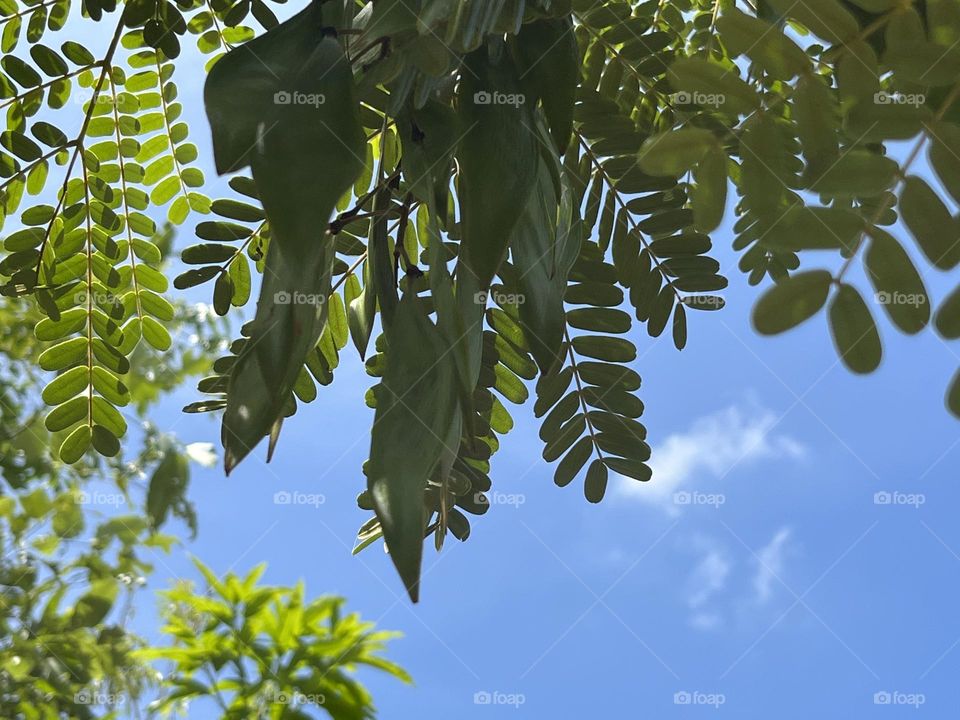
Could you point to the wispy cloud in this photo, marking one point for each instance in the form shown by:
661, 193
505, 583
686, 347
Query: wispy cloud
713, 448
706, 582
770, 561
725, 584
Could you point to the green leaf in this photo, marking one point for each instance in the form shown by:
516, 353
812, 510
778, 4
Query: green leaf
21, 72
858, 173
899, 287
764, 175
605, 348
388, 17
764, 44
814, 108
155, 334
337, 321
854, 332
110, 386
948, 316
167, 487
192, 278
105, 442
108, 417
608, 375
549, 67
498, 168
429, 136
92, 608
945, 156
660, 310
236, 210
607, 320
674, 153
48, 134
595, 485
48, 60
239, 271
631, 468
816, 228
20, 145
543, 248
679, 327
64, 354
65, 386
11, 34
712, 86
573, 462
67, 414
297, 200
709, 194
826, 18
416, 407
222, 294
76, 444
953, 395
285, 72
791, 301
222, 231
77, 53
935, 230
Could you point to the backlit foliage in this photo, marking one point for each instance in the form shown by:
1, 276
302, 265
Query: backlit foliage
487, 198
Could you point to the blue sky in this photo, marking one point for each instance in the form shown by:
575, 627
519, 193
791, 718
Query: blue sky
797, 593
755, 575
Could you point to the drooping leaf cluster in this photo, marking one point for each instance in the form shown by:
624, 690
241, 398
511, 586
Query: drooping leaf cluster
494, 227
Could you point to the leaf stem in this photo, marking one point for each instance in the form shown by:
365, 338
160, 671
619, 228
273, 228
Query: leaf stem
105, 64
48, 83
89, 253
131, 255
576, 379
892, 196
623, 205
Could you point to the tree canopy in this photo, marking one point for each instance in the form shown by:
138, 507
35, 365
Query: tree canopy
485, 197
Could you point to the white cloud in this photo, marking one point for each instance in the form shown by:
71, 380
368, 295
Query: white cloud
705, 583
708, 578
202, 453
706, 621
723, 584
770, 565
712, 448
